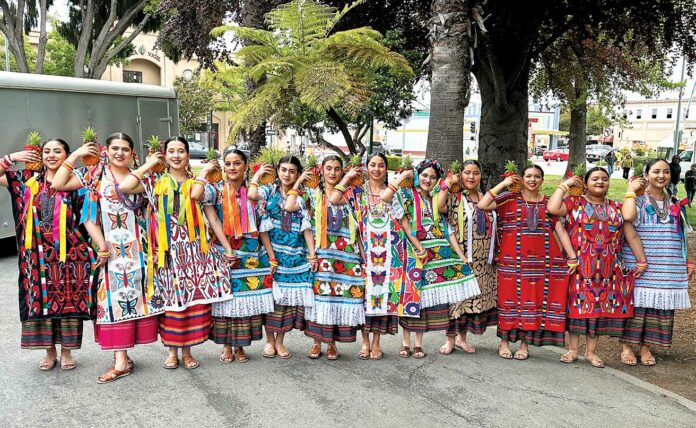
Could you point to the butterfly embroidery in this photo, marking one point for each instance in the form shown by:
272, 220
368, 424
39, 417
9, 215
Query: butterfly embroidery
123, 251
123, 280
379, 277
379, 239
115, 218
378, 258
128, 307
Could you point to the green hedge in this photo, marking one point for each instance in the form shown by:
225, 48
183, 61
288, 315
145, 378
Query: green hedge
393, 163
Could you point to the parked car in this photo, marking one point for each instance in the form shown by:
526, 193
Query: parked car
199, 151
556, 154
686, 158
597, 152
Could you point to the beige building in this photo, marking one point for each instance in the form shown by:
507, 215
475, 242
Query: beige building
652, 122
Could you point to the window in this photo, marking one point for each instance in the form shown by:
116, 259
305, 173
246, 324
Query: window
132, 76
653, 114
625, 114
639, 113
669, 113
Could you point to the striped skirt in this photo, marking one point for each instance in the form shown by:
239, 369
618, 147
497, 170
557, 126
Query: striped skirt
284, 318
45, 333
127, 334
189, 327
237, 331
386, 324
592, 327
331, 333
533, 337
649, 327
473, 323
435, 318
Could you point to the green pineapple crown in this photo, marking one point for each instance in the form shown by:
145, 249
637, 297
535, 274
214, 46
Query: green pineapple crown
269, 155
355, 160
511, 167
312, 161
154, 143
211, 154
34, 139
407, 162
455, 167
89, 135
579, 170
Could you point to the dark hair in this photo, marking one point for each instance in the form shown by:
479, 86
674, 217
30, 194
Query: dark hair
535, 166
332, 158
649, 164
593, 170
62, 142
472, 162
292, 160
234, 151
119, 136
428, 163
386, 163
178, 139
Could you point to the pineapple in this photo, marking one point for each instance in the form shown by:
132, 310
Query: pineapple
214, 175
511, 169
356, 162
314, 171
154, 145
89, 136
406, 164
578, 171
638, 167
454, 169
271, 157
34, 145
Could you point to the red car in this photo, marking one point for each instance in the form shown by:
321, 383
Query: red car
556, 154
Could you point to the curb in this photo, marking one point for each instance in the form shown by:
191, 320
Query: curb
685, 402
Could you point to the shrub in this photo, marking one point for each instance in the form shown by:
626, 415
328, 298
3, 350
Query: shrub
393, 163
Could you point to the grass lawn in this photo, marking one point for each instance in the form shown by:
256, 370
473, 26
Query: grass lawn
617, 189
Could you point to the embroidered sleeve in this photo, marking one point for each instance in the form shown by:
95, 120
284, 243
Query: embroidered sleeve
503, 202
571, 203
404, 197
211, 195
305, 224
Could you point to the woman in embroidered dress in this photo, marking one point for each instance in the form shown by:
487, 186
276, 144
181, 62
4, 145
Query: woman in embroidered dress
474, 230
191, 273
664, 288
339, 284
127, 301
601, 291
56, 263
383, 250
434, 257
532, 273
238, 322
292, 244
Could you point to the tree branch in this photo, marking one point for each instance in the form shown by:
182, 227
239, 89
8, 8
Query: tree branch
118, 48
98, 44
318, 139
124, 22
43, 38
343, 127
496, 73
85, 37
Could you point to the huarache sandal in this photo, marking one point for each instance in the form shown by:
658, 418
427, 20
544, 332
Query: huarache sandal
445, 349
47, 365
315, 352
171, 363
569, 357
227, 356
418, 352
504, 353
629, 358
131, 364
332, 353
465, 347
67, 364
405, 351
647, 360
376, 355
595, 361
241, 356
189, 362
269, 351
283, 353
364, 354
113, 375
521, 355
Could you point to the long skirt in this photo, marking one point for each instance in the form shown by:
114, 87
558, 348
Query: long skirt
435, 318
125, 335
649, 327
331, 333
385, 324
593, 327
189, 327
239, 331
473, 323
284, 319
45, 333
533, 337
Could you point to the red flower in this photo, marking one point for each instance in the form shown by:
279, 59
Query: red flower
340, 243
236, 243
268, 281
339, 267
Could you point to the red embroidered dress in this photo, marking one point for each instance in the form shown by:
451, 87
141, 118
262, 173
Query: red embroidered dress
532, 272
600, 288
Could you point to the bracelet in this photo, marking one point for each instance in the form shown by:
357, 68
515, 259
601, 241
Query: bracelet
563, 187
572, 265
293, 192
340, 188
253, 184
104, 253
690, 264
392, 188
9, 156
444, 186
68, 165
202, 180
6, 162
572, 258
630, 195
314, 257
492, 192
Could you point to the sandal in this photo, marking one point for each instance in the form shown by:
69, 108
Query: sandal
47, 365
445, 350
465, 347
648, 360
629, 359
113, 375
419, 353
364, 354
242, 357
595, 361
315, 352
131, 364
269, 351
226, 357
67, 365
504, 353
171, 363
190, 363
405, 351
332, 353
378, 355
569, 357
283, 355
521, 355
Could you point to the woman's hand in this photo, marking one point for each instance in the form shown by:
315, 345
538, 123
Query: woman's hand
512, 179
210, 166
574, 181
302, 178
690, 270
352, 173
452, 179
263, 170
640, 270
102, 258
637, 184
408, 173
153, 160
86, 149
26, 156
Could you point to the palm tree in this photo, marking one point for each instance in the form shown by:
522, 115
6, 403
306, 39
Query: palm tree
301, 59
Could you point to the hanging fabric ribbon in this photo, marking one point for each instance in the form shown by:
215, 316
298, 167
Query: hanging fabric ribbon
460, 216
30, 191
436, 205
164, 191
470, 228
238, 218
244, 205
417, 218
324, 221
318, 215
151, 236
190, 212
60, 213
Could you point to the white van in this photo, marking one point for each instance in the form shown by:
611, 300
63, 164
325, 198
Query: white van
686, 160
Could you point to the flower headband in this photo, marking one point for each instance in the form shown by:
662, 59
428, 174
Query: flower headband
430, 163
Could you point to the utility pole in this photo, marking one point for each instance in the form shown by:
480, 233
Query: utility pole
681, 92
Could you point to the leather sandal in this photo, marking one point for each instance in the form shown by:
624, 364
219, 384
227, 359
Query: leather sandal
131, 364
521, 355
241, 356
376, 355
227, 356
647, 360
445, 350
629, 358
67, 365
47, 365
465, 347
595, 361
504, 353
569, 357
269, 351
190, 363
283, 353
171, 363
405, 351
332, 353
112, 374
364, 354
419, 353
315, 352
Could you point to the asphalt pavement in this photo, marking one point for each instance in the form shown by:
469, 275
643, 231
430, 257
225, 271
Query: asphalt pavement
480, 390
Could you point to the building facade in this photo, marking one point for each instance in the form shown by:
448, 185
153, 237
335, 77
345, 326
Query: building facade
652, 123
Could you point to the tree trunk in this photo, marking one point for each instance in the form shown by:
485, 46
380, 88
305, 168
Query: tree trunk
43, 38
504, 127
12, 27
577, 139
451, 80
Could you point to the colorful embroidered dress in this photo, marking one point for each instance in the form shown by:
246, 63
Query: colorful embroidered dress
532, 273
339, 283
56, 264
475, 231
601, 287
124, 292
445, 278
292, 280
